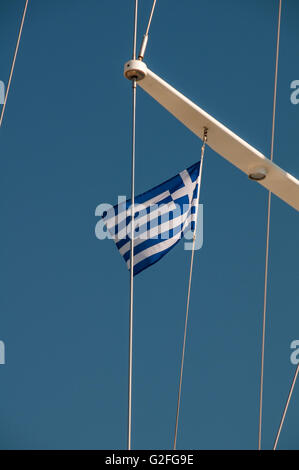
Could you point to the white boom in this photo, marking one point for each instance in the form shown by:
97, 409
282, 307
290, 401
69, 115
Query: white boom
220, 138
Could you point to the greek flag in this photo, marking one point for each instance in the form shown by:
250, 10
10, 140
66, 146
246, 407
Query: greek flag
162, 216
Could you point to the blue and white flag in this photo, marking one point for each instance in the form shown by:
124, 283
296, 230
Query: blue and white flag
162, 216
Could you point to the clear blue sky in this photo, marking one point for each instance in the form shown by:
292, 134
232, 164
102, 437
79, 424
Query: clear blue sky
64, 149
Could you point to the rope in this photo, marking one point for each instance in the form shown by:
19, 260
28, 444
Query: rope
150, 18
13, 63
135, 29
132, 237
189, 290
268, 235
145, 37
286, 408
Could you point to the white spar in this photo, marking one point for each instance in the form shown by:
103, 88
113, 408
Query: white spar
221, 139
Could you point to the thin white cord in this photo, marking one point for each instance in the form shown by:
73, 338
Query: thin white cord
150, 18
188, 296
135, 29
286, 408
130, 369
13, 63
268, 236
145, 37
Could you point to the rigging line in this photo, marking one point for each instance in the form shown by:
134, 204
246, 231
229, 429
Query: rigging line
145, 37
205, 138
286, 408
131, 270
268, 233
130, 371
135, 29
13, 63
150, 18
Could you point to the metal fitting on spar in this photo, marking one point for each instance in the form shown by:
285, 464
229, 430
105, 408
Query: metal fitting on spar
135, 69
258, 174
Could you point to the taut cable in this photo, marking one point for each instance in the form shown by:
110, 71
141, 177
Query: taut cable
286, 408
132, 238
205, 138
13, 63
268, 237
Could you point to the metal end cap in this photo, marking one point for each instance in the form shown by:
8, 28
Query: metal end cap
135, 69
258, 174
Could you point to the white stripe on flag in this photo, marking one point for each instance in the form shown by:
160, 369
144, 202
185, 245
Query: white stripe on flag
154, 232
158, 247
116, 219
